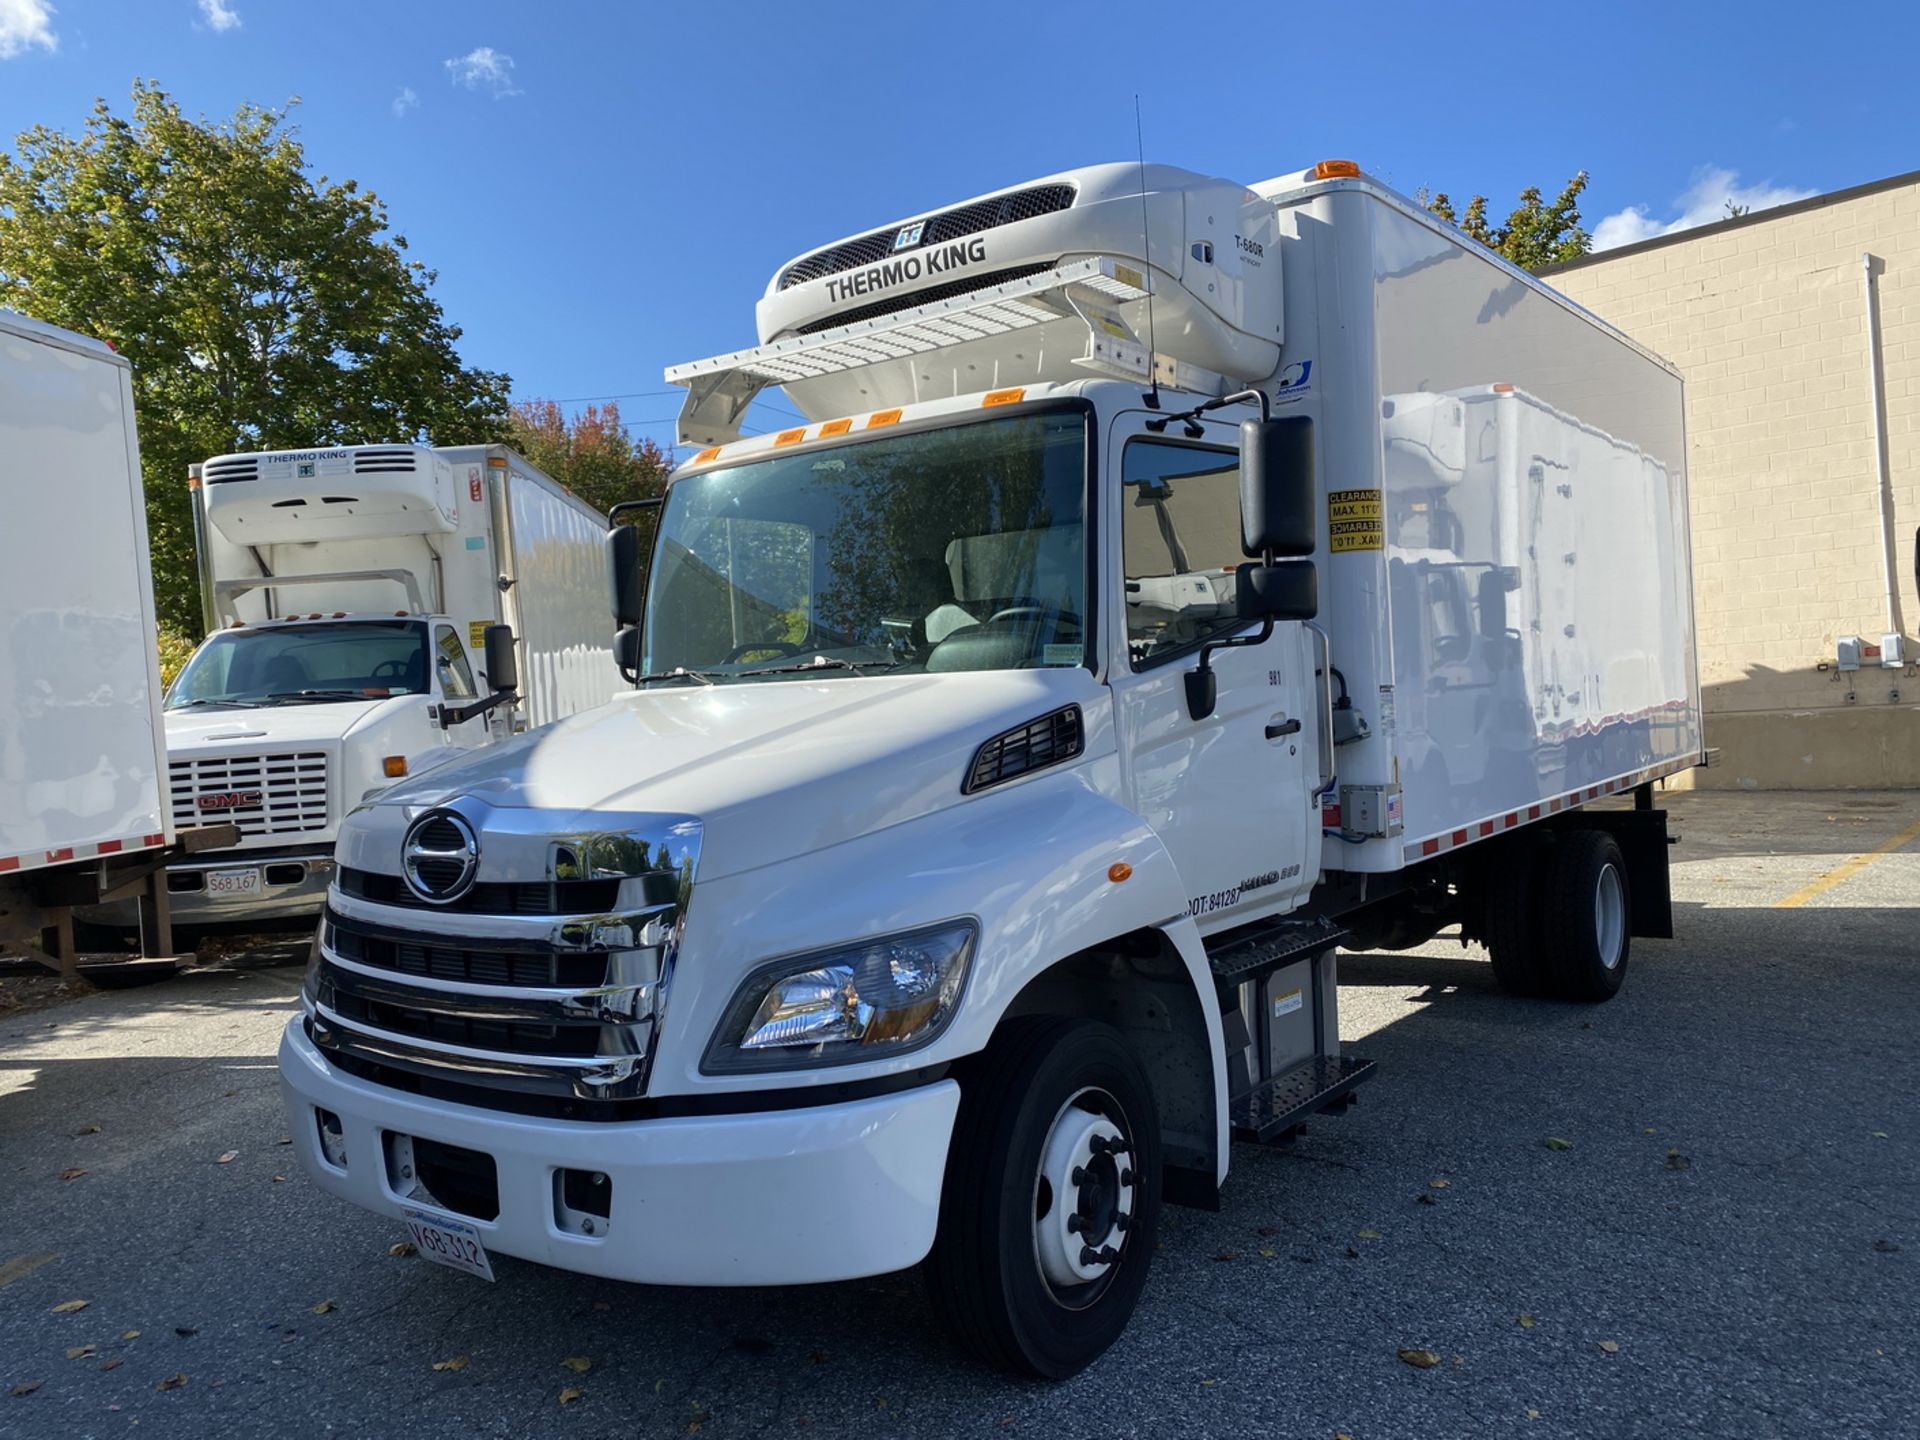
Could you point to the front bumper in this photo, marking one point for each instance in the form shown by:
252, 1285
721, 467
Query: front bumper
777, 1197
292, 895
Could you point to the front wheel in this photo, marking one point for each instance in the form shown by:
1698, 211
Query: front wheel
1052, 1198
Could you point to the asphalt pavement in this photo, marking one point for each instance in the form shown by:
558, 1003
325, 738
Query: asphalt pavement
1691, 1211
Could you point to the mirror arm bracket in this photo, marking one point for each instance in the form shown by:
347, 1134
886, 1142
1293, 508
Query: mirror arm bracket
1201, 689
452, 715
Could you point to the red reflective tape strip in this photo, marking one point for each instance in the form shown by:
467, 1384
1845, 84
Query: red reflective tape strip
54, 857
1429, 847
155, 840
9, 862
111, 847
1486, 828
1459, 837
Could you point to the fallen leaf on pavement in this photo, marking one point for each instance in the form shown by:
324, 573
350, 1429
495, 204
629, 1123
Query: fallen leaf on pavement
403, 1249
278, 1178
1227, 1255
1612, 1347
324, 1307
1527, 1322
1439, 1184
1427, 1198
80, 1352
1533, 1414
459, 1362
113, 1364
172, 1382
1677, 1161
1554, 1142
1369, 1234
579, 1364
1885, 1247
67, 1307
1266, 1254
26, 1387
1879, 1134
1352, 1254
284, 1140
569, 1395
228, 1158
86, 1130
131, 1335
1420, 1359
186, 1332
72, 1173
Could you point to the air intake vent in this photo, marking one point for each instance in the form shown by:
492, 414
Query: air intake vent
386, 462
1046, 741
929, 296
947, 225
238, 467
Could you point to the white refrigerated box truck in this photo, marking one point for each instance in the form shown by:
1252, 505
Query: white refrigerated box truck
1173, 583
82, 752
349, 594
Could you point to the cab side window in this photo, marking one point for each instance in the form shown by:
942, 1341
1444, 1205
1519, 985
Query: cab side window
1180, 538
450, 659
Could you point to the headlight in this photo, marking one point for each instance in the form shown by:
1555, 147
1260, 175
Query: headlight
856, 1002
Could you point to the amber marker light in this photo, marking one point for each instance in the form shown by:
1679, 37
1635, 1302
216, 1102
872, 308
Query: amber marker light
395, 766
1119, 871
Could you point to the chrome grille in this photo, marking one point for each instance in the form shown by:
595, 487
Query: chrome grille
261, 794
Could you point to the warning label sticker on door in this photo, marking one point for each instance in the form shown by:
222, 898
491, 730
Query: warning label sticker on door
1355, 521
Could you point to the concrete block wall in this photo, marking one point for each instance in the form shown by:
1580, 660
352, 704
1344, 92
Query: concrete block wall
1766, 318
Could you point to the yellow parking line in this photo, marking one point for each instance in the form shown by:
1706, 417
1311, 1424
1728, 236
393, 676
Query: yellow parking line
1845, 872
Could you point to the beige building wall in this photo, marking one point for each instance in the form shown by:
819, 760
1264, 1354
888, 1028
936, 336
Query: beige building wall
1766, 317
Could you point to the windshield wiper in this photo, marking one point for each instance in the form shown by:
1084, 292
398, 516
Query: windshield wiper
827, 662
323, 695
238, 704
680, 674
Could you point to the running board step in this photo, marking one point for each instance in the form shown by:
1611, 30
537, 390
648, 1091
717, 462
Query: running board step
1273, 1108
1247, 956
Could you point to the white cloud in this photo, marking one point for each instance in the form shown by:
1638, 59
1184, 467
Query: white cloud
219, 15
1704, 201
484, 68
23, 24
403, 102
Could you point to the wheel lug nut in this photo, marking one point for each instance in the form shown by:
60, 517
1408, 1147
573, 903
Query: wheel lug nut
1108, 1254
1089, 1255
1126, 1177
1076, 1223
1122, 1223
1079, 1176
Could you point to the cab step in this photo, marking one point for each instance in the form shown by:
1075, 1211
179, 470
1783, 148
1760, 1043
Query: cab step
1247, 955
1276, 1107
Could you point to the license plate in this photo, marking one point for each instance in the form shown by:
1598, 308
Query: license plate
233, 882
451, 1243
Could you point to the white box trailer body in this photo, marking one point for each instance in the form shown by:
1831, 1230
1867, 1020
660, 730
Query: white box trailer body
1171, 584
82, 755
348, 592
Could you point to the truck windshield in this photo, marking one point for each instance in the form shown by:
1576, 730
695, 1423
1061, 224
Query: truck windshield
962, 548
289, 664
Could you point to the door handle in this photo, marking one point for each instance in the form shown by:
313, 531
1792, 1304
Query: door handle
1280, 729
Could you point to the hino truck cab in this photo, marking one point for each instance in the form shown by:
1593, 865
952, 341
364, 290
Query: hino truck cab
1010, 749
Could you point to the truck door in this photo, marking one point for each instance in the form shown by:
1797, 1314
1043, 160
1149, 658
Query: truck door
1228, 793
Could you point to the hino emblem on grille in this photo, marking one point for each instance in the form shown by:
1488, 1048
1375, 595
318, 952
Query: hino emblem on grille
440, 857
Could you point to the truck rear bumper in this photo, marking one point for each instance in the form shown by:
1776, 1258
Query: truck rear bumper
776, 1197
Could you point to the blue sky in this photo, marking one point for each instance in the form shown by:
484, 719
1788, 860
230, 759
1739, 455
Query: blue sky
606, 188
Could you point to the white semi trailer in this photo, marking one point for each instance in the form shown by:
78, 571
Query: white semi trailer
1174, 583
349, 596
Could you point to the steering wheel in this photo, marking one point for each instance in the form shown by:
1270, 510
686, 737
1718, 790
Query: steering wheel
389, 670
754, 647
1032, 610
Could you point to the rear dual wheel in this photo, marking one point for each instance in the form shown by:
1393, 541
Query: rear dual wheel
1559, 923
1052, 1198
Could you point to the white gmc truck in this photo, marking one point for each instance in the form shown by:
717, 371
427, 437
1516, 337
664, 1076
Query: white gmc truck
1175, 583
349, 594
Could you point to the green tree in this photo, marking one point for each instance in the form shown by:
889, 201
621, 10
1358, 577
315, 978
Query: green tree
260, 307
1536, 234
592, 453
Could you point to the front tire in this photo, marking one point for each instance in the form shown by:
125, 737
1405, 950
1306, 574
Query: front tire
1052, 1198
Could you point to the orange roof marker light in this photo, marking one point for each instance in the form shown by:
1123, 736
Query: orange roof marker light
835, 427
790, 437
712, 452
1337, 170
1503, 388
883, 417
1003, 397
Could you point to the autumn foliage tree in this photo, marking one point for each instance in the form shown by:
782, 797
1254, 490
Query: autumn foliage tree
591, 452
261, 308
1536, 234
